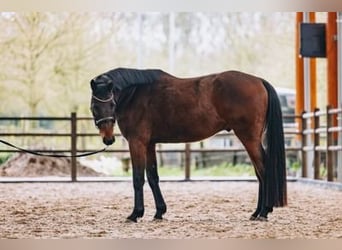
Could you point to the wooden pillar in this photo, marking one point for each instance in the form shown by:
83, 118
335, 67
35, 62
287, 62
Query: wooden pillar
73, 146
304, 153
187, 161
331, 49
339, 91
306, 87
299, 71
330, 142
316, 143
313, 75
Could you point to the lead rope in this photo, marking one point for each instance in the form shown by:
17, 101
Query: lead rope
50, 155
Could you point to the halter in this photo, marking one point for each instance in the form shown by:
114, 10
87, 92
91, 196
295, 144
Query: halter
111, 98
108, 118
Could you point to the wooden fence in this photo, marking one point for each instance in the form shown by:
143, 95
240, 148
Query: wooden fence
74, 135
320, 132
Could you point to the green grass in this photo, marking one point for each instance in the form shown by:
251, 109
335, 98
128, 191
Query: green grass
225, 170
4, 157
219, 170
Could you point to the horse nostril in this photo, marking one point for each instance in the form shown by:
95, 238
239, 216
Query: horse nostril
108, 141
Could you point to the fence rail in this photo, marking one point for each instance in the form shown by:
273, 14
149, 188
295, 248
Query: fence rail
301, 134
312, 137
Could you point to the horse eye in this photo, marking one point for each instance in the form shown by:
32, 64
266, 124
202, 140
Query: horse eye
95, 109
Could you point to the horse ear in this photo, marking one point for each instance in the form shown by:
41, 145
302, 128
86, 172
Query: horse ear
108, 81
93, 85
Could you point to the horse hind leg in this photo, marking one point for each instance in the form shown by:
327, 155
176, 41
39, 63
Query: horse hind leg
257, 154
261, 210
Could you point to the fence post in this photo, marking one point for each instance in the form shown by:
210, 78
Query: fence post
187, 161
304, 154
330, 142
73, 146
316, 143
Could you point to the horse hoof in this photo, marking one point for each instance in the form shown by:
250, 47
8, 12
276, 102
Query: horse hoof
157, 219
130, 220
253, 218
158, 216
261, 218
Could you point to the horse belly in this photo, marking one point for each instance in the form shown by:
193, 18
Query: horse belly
189, 127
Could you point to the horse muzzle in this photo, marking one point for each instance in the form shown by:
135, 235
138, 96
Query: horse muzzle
108, 141
106, 128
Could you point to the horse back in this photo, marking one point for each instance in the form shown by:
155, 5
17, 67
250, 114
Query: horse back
191, 109
172, 110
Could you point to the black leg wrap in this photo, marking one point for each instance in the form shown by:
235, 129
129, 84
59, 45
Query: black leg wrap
264, 212
261, 214
160, 212
255, 215
135, 215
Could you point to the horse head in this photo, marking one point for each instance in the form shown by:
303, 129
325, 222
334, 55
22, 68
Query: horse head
103, 107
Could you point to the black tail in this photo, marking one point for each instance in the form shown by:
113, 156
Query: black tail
274, 162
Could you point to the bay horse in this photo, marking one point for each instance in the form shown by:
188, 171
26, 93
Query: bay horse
152, 106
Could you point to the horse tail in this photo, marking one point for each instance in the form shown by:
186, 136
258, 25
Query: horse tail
274, 160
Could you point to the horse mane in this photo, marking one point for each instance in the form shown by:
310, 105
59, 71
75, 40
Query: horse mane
127, 77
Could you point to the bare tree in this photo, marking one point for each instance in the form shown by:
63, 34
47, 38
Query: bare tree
30, 41
49, 57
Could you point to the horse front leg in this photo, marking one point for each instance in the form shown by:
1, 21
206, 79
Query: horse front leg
153, 181
138, 156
